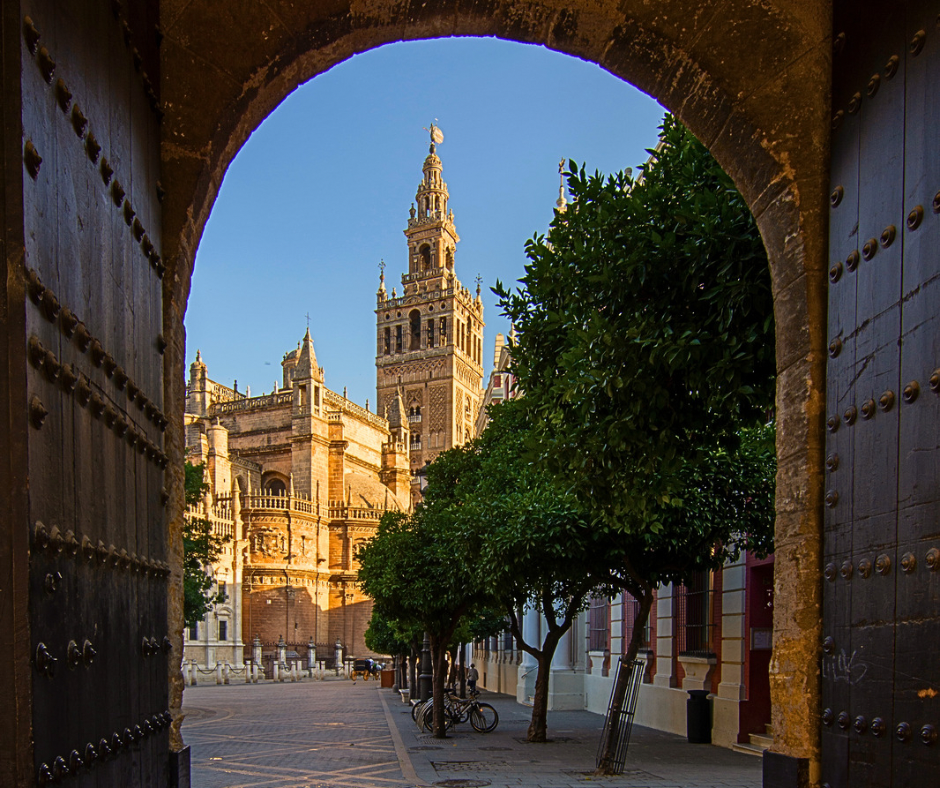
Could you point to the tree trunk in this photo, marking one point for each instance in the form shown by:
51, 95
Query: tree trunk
452, 673
538, 725
438, 667
463, 670
605, 764
413, 673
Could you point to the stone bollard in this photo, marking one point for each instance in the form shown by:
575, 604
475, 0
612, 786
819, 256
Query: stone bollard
192, 673
248, 668
218, 672
275, 670
257, 672
296, 671
225, 673
284, 672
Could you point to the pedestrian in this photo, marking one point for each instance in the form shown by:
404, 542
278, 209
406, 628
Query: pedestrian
472, 675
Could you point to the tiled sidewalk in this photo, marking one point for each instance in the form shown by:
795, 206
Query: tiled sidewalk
504, 758
334, 734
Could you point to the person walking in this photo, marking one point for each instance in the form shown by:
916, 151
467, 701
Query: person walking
472, 675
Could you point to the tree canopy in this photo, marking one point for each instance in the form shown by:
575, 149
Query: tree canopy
645, 331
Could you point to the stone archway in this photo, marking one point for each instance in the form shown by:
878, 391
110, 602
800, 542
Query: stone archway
751, 80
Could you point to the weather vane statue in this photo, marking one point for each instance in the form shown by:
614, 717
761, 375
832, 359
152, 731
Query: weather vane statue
437, 136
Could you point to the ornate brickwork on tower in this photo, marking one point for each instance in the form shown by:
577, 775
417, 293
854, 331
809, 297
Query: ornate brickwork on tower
430, 338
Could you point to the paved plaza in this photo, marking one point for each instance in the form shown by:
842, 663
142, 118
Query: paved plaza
336, 734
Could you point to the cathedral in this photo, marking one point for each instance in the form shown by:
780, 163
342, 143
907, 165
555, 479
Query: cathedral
300, 477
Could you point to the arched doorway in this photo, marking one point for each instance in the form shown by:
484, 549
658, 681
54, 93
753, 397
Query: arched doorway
777, 156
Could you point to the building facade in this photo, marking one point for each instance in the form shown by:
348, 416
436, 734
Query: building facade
298, 479
713, 634
501, 385
429, 343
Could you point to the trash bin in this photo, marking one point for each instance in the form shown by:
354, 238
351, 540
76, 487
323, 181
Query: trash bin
699, 717
388, 678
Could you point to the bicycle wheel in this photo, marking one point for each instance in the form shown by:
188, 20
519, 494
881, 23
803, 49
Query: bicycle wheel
416, 709
483, 717
427, 719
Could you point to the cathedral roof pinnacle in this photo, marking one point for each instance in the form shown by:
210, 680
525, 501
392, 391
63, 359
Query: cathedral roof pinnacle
396, 412
307, 360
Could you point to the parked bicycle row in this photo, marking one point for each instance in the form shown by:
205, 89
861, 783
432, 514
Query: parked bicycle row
482, 716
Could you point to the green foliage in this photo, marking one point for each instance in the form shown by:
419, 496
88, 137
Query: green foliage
382, 636
534, 545
200, 548
646, 358
416, 571
645, 332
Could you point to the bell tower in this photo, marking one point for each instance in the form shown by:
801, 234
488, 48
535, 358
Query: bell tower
430, 337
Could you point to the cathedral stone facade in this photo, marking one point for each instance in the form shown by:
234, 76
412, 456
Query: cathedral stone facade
298, 479
430, 338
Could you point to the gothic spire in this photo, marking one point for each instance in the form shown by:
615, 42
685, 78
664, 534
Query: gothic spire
307, 361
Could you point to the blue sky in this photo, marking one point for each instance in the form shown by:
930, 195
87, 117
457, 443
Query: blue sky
320, 194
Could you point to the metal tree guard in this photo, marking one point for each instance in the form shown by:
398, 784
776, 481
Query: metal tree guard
620, 720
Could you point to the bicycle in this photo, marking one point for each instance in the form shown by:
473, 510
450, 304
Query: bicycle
482, 716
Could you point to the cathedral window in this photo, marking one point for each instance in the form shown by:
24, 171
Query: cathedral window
431, 333
388, 341
443, 331
415, 320
223, 629
399, 344
425, 257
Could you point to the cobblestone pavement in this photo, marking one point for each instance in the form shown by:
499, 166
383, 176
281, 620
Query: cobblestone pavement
334, 734
329, 734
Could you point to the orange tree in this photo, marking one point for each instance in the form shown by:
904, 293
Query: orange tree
417, 569
646, 355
